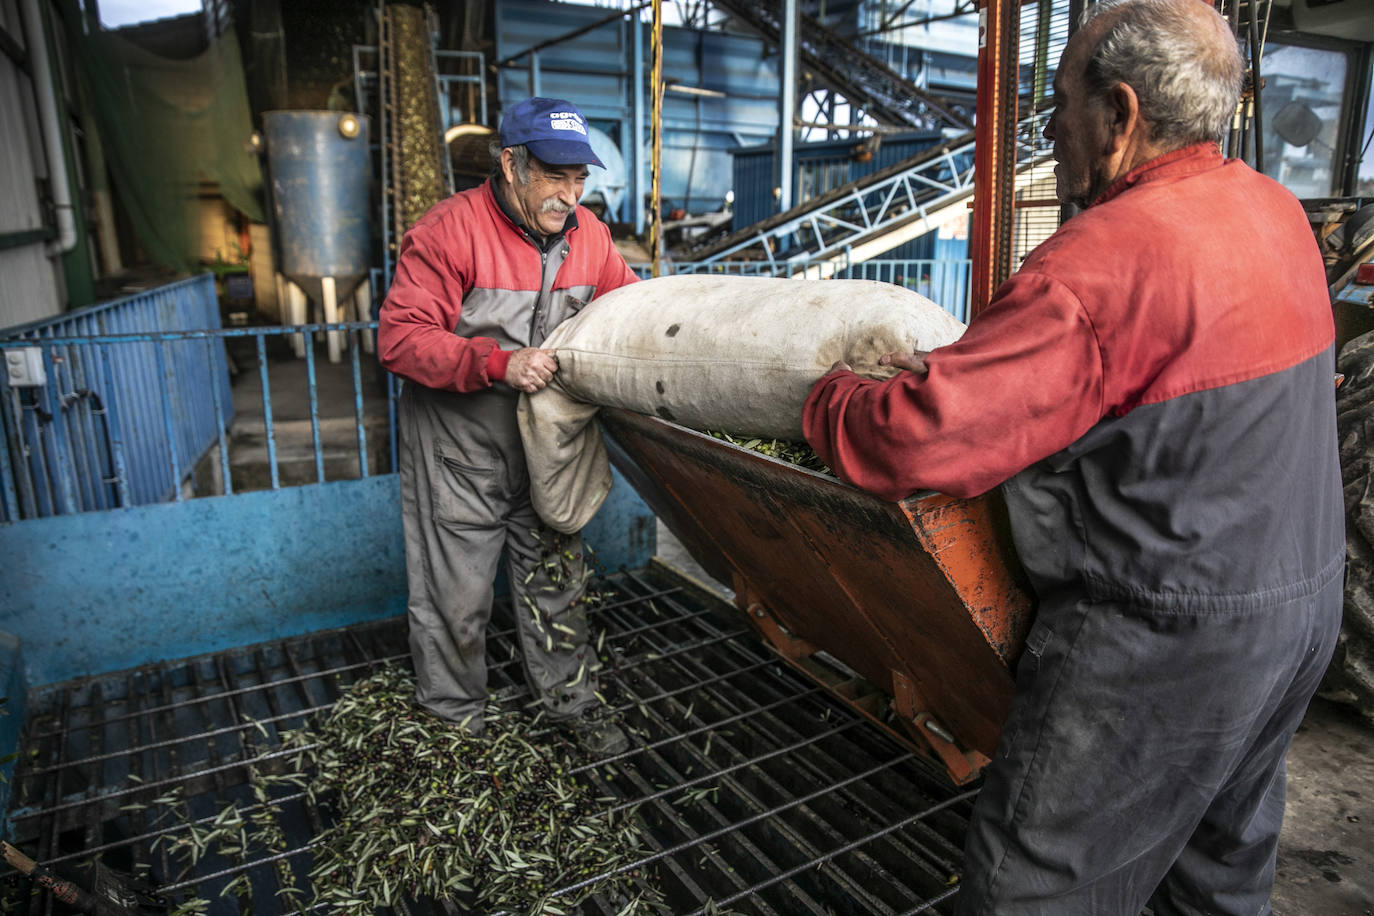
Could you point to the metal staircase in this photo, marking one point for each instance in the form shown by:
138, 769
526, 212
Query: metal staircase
876, 212
863, 80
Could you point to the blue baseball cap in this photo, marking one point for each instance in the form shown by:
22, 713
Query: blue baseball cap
553, 129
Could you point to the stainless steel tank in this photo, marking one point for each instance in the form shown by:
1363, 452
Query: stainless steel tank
319, 169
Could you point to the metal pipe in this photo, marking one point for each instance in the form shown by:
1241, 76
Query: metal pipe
217, 396
267, 413
637, 72
50, 121
165, 383
331, 316
313, 391
7, 476
787, 104
1257, 121
994, 168
656, 143
65, 492
359, 427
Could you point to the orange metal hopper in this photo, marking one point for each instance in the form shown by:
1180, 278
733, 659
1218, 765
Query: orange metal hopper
923, 598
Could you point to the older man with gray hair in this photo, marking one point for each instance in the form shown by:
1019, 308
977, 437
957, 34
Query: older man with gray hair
481, 280
1153, 392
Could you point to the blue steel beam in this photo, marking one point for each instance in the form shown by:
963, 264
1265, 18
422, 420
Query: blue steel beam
7, 482
314, 412
169, 424
358, 404
220, 424
267, 409
64, 497
871, 206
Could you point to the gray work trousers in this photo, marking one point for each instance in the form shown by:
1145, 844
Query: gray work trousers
1143, 757
465, 498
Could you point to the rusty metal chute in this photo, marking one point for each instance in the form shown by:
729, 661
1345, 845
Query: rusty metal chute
922, 599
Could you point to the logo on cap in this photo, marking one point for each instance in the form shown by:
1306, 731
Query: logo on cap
567, 120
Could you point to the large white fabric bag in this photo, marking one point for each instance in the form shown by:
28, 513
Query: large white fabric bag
728, 354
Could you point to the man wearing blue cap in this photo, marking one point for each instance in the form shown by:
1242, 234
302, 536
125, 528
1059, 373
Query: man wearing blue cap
481, 280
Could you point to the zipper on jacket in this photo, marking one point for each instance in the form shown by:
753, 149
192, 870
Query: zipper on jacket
543, 269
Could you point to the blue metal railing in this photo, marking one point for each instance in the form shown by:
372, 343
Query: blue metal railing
943, 281
53, 469
108, 427
137, 393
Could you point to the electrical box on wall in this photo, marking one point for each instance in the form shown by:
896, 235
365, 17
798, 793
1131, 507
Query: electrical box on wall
24, 367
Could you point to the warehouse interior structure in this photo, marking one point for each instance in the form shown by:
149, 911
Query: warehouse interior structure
199, 506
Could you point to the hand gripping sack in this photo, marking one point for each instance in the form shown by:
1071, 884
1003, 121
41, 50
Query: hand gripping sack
727, 354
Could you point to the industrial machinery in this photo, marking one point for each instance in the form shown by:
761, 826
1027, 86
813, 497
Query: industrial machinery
400, 83
920, 602
319, 167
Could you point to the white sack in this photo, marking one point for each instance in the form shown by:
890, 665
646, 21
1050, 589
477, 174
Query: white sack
728, 354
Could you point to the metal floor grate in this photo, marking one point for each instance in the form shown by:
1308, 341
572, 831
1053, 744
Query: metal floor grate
811, 809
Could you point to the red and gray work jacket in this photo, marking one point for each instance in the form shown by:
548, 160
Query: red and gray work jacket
471, 287
1154, 388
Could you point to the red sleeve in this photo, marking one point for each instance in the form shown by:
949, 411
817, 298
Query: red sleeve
1023, 382
415, 336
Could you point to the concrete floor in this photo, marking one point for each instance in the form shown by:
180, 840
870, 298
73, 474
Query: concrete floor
1326, 851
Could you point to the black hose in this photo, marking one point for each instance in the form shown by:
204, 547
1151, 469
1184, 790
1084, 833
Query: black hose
1257, 122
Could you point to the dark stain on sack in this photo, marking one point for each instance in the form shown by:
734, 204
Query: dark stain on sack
673, 329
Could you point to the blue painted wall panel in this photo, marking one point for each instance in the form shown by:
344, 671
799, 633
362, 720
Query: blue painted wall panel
102, 591
622, 531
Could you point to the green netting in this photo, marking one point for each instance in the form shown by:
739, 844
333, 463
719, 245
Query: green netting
166, 127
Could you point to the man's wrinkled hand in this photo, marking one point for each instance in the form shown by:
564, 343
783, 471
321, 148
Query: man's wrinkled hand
912, 362
530, 369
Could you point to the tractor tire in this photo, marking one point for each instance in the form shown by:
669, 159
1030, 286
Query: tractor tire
1350, 679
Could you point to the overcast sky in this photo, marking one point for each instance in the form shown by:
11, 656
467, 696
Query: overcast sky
114, 13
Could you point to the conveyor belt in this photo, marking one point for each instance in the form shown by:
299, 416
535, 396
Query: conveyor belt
865, 81
415, 167
814, 810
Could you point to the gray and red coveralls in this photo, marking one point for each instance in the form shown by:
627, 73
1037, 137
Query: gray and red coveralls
471, 287
1154, 387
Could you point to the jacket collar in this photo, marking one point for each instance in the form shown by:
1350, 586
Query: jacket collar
1199, 157
542, 242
